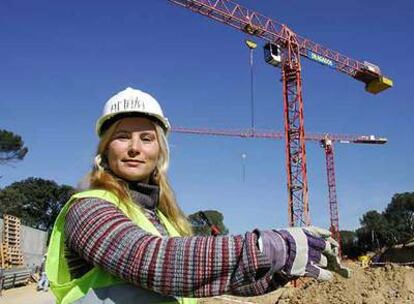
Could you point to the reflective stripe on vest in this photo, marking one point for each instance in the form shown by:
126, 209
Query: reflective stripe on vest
67, 290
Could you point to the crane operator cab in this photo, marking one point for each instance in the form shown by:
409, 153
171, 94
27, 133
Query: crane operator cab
272, 54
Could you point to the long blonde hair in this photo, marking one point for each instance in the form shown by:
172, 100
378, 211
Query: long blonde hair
102, 178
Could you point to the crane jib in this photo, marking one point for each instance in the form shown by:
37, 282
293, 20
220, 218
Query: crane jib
320, 59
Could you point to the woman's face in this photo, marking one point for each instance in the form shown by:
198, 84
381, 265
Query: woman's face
133, 149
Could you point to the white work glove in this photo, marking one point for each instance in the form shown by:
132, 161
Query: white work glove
333, 260
304, 251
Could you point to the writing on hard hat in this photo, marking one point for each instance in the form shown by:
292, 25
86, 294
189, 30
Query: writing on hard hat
131, 102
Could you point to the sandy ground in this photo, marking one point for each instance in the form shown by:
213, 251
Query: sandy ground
26, 294
391, 284
379, 285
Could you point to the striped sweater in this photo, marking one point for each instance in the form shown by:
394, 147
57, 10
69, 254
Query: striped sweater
97, 233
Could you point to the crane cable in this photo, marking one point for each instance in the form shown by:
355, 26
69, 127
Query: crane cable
251, 45
243, 156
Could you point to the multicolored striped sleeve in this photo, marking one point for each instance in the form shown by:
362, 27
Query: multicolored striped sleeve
182, 266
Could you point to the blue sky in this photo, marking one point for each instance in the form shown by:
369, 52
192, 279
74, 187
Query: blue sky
59, 63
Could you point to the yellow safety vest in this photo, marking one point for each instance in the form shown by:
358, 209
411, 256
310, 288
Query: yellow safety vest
67, 290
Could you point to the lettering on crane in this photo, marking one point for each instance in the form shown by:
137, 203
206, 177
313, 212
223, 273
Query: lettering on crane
321, 59
128, 104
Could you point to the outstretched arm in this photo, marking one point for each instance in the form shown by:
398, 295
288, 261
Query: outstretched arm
195, 266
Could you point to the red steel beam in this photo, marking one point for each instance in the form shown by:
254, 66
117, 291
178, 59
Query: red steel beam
254, 23
269, 134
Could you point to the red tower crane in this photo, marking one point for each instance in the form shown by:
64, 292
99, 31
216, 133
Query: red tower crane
325, 140
285, 49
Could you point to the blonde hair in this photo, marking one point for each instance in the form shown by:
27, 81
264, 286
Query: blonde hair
102, 178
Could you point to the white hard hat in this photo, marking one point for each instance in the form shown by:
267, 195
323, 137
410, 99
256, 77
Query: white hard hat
130, 102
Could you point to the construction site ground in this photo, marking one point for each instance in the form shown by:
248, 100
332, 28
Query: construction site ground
372, 285
26, 294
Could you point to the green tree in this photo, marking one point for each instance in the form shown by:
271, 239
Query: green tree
11, 147
36, 201
375, 231
201, 226
393, 226
349, 243
400, 214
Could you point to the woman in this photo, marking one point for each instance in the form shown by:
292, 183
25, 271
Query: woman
125, 240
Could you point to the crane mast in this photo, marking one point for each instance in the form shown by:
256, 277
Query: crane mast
293, 47
327, 144
297, 180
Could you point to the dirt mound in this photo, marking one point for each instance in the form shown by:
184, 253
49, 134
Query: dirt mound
389, 284
379, 285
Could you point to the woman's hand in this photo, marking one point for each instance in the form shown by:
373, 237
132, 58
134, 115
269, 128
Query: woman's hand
307, 251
